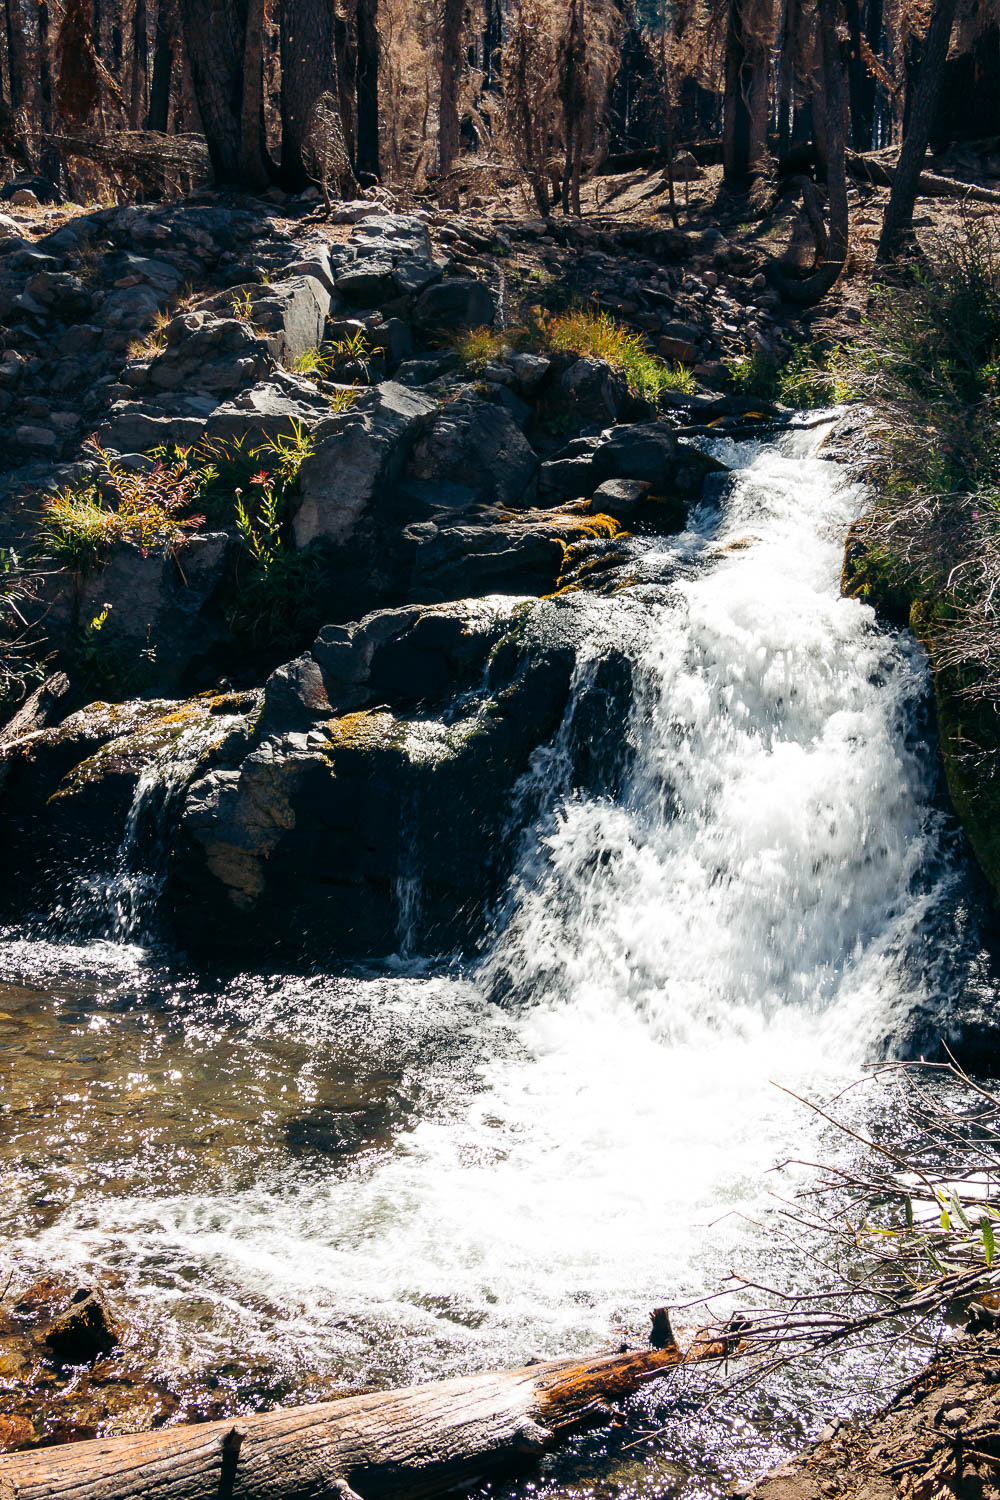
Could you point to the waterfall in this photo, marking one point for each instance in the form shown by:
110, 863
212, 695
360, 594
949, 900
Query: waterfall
775, 838
119, 904
732, 869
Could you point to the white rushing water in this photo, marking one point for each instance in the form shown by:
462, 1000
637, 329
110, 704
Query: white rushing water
741, 913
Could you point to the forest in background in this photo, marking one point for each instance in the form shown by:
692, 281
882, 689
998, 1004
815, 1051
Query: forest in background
158, 96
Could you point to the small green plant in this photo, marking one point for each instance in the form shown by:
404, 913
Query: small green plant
276, 590
478, 347
242, 305
754, 374
342, 397
143, 507
312, 362
599, 336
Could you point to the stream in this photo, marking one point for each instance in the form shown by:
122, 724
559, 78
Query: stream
435, 1166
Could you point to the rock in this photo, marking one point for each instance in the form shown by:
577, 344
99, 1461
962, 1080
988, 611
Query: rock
530, 371
209, 353
621, 498
393, 257
458, 302
24, 198
492, 551
70, 790
159, 625
295, 311
135, 427
358, 454
477, 444
41, 189
686, 167
594, 390
645, 451
82, 1332
37, 439
272, 408
133, 308
302, 844
677, 349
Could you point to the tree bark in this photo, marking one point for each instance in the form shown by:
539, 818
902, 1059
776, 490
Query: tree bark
396, 1445
834, 97
898, 220
140, 47
214, 40
163, 62
366, 155
307, 71
451, 78
253, 138
747, 80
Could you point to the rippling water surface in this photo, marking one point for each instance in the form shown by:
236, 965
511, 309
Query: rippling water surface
430, 1168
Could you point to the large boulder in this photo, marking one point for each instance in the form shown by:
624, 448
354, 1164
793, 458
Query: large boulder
147, 617
478, 445
305, 843
358, 455
393, 258
459, 302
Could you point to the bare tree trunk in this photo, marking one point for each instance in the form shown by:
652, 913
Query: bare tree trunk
366, 155
426, 1440
451, 80
252, 134
214, 40
744, 132
903, 195
163, 62
307, 71
49, 159
833, 97
140, 48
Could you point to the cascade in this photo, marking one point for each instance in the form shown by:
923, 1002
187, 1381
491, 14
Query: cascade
743, 874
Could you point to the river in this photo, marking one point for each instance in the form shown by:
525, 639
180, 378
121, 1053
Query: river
436, 1166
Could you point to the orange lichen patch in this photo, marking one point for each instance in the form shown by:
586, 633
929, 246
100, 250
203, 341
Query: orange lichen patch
368, 729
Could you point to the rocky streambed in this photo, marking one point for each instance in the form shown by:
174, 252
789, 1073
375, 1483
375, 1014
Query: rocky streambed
358, 984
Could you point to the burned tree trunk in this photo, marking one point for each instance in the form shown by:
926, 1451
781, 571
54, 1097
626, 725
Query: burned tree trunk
163, 63
834, 116
899, 212
451, 80
397, 1445
366, 154
744, 140
214, 38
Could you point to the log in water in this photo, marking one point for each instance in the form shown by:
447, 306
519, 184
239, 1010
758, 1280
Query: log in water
416, 1442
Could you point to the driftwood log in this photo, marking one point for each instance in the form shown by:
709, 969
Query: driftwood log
416, 1442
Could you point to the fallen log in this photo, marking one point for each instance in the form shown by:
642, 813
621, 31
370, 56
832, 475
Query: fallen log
930, 184
416, 1442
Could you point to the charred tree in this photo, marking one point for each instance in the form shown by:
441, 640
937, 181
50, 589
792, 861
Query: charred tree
140, 58
452, 16
903, 195
214, 40
253, 131
830, 104
163, 65
308, 71
366, 152
747, 80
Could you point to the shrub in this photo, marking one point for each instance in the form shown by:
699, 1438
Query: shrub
143, 507
477, 347
598, 336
